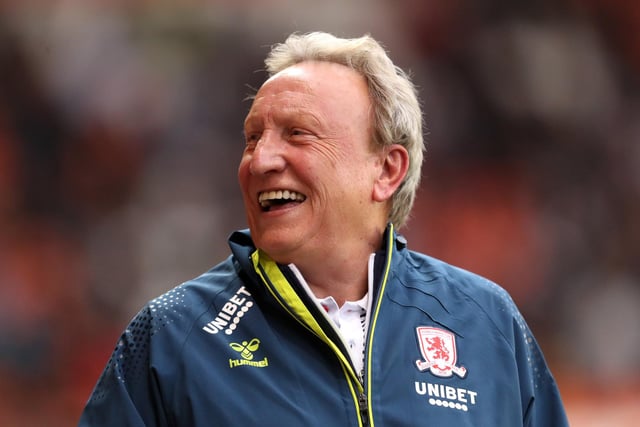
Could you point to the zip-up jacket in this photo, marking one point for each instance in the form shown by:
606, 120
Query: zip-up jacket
245, 345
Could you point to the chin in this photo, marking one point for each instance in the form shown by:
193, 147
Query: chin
278, 245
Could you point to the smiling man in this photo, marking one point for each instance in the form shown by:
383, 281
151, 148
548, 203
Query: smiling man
309, 137
322, 316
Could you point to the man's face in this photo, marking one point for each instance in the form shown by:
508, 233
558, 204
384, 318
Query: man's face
308, 168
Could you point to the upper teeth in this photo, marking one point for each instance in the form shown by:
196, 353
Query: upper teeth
265, 197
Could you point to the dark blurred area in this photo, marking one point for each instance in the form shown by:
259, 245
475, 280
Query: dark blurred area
120, 132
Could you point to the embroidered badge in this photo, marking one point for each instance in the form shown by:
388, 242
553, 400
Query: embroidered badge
438, 348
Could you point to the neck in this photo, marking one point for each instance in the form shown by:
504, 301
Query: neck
342, 273
341, 287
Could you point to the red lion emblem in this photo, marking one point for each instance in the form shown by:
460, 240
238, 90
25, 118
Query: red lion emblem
438, 347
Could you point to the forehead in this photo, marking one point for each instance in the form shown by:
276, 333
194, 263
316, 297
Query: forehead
319, 75
314, 85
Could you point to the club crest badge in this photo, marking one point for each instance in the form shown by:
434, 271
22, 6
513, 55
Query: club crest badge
438, 348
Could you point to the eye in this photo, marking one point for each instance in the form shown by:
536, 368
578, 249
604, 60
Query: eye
299, 135
252, 138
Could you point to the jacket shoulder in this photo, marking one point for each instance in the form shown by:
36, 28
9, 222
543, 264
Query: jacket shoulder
187, 301
462, 294
428, 269
164, 323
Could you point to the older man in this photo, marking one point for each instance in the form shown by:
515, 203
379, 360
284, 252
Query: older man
322, 316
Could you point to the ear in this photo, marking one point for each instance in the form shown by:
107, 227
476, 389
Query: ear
395, 163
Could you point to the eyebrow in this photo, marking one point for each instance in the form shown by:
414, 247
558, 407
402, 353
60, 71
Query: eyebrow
287, 115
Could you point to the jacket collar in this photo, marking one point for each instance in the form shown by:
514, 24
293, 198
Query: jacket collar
242, 248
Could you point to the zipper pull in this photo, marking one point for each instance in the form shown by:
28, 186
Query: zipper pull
364, 409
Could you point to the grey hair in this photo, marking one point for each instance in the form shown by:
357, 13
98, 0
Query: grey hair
397, 113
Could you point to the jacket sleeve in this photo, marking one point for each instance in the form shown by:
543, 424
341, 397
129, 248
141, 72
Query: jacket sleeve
127, 393
539, 391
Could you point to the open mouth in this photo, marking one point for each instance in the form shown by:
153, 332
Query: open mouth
278, 198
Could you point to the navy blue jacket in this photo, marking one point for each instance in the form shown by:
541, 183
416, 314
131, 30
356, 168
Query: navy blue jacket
244, 345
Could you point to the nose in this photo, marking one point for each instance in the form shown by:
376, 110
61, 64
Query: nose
268, 155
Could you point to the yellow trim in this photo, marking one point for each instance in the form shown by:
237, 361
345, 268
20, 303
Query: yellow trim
374, 320
354, 395
282, 291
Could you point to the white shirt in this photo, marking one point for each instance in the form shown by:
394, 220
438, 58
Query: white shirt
351, 320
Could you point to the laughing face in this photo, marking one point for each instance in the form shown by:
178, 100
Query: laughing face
308, 170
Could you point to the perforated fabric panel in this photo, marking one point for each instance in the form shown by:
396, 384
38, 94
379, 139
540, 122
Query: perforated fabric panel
129, 362
535, 359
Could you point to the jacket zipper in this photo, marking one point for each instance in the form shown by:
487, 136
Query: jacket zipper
354, 381
364, 409
362, 399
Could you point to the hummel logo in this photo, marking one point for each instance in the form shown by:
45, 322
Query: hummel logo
246, 350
